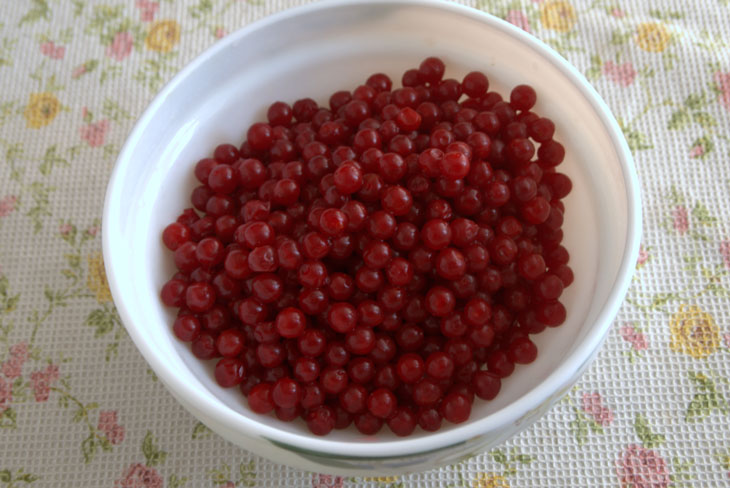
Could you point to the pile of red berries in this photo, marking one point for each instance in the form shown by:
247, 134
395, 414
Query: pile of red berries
381, 260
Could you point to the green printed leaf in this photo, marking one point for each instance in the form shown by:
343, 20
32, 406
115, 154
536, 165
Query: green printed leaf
248, 474
73, 260
619, 37
679, 119
524, 458
152, 453
703, 404
704, 119
636, 140
594, 72
102, 16
79, 415
643, 431
89, 447
695, 101
202, 8
702, 215
698, 408
498, 456
102, 320
78, 7
220, 476
38, 11
114, 111
671, 15
595, 427
111, 351
175, 482
27, 478
200, 431
579, 430
705, 144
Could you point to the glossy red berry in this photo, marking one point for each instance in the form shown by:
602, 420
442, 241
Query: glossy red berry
522, 351
260, 398
186, 328
523, 97
382, 403
342, 317
290, 323
175, 235
230, 343
321, 420
286, 393
475, 84
436, 234
229, 372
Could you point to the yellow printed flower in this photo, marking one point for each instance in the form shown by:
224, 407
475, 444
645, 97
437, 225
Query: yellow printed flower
381, 479
163, 36
694, 332
96, 281
653, 37
41, 110
558, 15
490, 480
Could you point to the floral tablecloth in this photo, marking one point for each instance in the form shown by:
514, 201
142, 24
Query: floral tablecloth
80, 408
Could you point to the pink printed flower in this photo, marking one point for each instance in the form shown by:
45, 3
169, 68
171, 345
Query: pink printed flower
623, 74
643, 257
93, 230
121, 46
42, 380
642, 468
20, 350
639, 343
592, 406
108, 425
6, 394
65, 229
680, 219
723, 84
49, 49
326, 481
722, 80
95, 133
78, 71
139, 476
220, 32
148, 10
7, 205
697, 151
726, 339
725, 252
228, 484
635, 338
12, 368
618, 13
107, 419
519, 19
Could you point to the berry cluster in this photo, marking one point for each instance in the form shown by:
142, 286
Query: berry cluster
382, 260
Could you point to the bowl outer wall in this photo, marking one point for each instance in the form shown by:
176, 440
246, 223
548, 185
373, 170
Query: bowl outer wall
564, 374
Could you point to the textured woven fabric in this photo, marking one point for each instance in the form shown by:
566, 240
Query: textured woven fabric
78, 404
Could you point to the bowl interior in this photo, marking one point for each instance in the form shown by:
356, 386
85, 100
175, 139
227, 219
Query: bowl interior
313, 53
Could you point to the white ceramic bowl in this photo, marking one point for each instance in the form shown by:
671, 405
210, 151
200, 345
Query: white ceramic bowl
313, 51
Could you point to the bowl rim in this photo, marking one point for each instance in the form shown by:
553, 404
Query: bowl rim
545, 392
